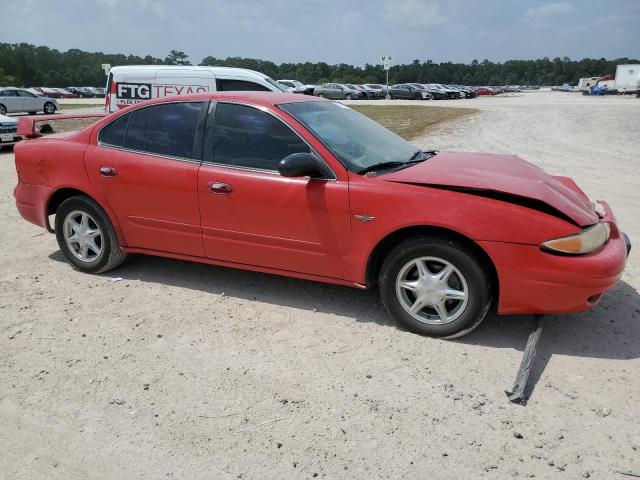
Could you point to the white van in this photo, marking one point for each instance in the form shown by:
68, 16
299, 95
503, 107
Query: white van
131, 84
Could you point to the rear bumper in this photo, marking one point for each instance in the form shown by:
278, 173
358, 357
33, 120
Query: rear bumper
31, 201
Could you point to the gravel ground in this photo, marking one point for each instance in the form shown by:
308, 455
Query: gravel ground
166, 369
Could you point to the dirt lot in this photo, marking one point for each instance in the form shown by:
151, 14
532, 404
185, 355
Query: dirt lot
185, 371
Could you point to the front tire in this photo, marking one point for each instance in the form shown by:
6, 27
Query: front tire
348, 96
435, 286
49, 108
86, 236
3, 109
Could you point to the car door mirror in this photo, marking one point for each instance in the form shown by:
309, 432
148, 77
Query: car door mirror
303, 165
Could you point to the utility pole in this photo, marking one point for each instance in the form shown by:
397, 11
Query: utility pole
386, 61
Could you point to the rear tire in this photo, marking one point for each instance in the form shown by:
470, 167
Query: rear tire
49, 108
86, 236
415, 295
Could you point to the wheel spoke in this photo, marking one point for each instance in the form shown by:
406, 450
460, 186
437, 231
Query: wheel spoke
444, 274
417, 306
441, 309
92, 233
84, 251
84, 221
451, 294
407, 285
423, 271
93, 246
75, 226
73, 238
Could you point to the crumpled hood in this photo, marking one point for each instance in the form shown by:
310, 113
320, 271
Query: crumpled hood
506, 176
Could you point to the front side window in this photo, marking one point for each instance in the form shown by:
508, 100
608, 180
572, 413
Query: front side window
165, 129
24, 93
247, 137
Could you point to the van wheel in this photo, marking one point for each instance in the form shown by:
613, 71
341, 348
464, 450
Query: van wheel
49, 108
86, 236
3, 109
435, 286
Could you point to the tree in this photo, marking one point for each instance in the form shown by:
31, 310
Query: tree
176, 57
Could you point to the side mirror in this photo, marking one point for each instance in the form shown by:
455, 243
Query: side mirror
303, 165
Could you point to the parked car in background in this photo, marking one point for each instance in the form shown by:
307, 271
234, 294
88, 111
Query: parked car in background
435, 92
48, 92
426, 94
96, 92
337, 91
308, 188
35, 92
367, 93
408, 92
14, 100
64, 93
486, 91
294, 86
8, 131
381, 89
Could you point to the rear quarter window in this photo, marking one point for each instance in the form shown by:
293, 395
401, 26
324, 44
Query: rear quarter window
113, 133
239, 86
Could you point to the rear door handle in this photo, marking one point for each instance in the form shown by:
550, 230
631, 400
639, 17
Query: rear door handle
108, 171
221, 188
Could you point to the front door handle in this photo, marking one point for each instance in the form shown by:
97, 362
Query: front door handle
108, 171
221, 188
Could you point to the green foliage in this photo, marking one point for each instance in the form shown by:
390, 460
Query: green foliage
27, 65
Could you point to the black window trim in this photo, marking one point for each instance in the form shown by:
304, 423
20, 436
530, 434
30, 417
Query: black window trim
207, 158
199, 141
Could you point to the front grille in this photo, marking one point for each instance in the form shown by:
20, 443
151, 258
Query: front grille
8, 129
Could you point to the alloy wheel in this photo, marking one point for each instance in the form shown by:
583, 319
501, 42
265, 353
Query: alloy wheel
432, 290
83, 236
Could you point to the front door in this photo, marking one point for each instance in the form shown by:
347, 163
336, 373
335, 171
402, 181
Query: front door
252, 215
145, 164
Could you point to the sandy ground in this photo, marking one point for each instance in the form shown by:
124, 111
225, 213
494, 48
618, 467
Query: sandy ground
186, 371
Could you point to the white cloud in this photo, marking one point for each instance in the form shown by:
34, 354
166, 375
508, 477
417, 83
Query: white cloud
549, 9
414, 12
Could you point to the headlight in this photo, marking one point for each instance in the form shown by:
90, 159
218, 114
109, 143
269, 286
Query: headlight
587, 241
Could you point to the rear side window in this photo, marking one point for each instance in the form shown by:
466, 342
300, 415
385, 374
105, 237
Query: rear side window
113, 133
8, 93
166, 129
239, 86
248, 137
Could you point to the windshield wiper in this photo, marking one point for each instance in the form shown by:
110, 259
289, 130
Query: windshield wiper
380, 166
414, 159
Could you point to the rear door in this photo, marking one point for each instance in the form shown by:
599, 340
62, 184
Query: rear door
145, 164
251, 215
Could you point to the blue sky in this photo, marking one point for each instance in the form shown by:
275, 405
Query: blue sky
334, 31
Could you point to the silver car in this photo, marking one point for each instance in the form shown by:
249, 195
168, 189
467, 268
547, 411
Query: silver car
336, 91
20, 100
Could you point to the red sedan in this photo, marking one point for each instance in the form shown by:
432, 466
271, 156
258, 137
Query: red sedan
305, 187
485, 91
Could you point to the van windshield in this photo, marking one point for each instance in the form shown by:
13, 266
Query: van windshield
280, 87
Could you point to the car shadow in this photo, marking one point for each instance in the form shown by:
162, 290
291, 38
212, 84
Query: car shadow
609, 330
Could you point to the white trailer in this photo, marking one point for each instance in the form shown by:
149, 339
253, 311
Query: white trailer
627, 78
585, 84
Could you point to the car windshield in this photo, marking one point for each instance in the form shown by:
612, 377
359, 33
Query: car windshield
355, 139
